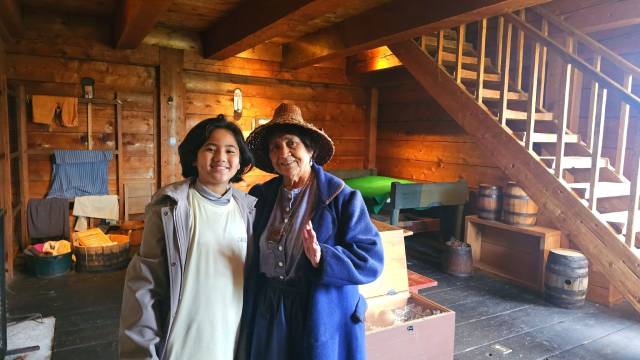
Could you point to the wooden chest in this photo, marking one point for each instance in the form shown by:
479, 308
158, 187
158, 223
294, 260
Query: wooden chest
400, 324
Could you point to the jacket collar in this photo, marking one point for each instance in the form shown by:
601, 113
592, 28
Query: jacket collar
177, 193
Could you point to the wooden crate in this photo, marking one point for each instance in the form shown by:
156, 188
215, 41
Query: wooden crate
516, 253
430, 337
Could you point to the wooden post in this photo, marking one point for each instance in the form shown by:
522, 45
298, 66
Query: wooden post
24, 163
562, 124
632, 226
504, 90
459, 52
440, 46
593, 104
172, 117
533, 90
89, 125
622, 129
482, 43
120, 156
520, 53
543, 64
372, 129
597, 150
499, 39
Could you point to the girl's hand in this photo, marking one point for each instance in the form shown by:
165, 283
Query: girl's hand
311, 246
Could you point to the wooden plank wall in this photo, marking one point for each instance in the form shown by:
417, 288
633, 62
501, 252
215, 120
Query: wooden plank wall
5, 179
418, 140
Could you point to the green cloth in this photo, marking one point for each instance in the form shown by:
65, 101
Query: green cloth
374, 189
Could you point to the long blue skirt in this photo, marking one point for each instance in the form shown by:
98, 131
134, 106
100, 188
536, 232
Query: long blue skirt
280, 320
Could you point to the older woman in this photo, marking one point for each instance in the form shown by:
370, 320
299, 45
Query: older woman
183, 292
314, 245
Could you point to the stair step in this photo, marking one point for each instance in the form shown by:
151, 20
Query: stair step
549, 138
494, 95
472, 75
451, 58
522, 115
603, 189
568, 162
619, 217
432, 42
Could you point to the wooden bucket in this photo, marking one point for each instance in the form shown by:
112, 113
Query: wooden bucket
517, 208
134, 229
566, 278
103, 258
489, 201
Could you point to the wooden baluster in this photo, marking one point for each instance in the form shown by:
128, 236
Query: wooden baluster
440, 47
593, 103
597, 150
632, 226
533, 90
423, 43
622, 129
499, 36
504, 90
520, 53
461, 32
482, 43
562, 124
543, 64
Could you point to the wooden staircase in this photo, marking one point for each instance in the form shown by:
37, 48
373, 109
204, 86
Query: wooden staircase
591, 197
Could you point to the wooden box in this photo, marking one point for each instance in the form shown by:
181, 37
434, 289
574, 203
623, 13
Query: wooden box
422, 330
513, 252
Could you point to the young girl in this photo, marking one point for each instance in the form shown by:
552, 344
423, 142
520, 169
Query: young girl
183, 293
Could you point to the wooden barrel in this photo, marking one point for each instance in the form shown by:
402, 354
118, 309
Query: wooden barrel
103, 258
134, 229
517, 208
489, 201
566, 278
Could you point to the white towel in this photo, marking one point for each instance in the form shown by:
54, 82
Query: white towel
96, 206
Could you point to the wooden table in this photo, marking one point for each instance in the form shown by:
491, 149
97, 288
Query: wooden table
513, 252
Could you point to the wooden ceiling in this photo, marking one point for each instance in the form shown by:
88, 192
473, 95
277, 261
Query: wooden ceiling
311, 31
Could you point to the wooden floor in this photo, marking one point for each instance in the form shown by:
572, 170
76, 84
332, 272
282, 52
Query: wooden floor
488, 310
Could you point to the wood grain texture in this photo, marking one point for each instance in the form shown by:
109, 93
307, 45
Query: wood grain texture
134, 19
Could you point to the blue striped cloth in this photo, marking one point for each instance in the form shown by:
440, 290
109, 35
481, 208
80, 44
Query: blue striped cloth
79, 173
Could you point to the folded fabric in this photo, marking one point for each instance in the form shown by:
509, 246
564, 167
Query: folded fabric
48, 218
93, 237
69, 115
79, 173
97, 206
57, 247
44, 109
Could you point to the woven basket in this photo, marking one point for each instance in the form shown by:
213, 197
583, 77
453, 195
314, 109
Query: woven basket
103, 258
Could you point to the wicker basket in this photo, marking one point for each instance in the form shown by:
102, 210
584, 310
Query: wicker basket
103, 258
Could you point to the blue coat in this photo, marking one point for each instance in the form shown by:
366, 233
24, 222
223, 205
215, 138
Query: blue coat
351, 255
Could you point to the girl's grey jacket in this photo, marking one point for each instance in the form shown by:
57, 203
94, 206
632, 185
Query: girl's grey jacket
153, 282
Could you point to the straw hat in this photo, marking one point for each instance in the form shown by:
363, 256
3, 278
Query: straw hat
287, 116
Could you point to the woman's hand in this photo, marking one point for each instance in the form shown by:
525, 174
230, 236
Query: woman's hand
311, 245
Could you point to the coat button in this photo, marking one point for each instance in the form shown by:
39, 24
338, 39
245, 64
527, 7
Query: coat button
165, 213
173, 263
280, 263
280, 247
281, 277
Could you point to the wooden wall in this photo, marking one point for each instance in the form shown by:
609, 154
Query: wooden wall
418, 140
57, 50
5, 179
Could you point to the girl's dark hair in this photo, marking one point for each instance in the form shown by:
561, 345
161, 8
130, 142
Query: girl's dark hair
307, 140
197, 137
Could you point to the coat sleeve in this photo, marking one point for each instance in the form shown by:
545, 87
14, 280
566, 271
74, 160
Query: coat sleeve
356, 257
145, 287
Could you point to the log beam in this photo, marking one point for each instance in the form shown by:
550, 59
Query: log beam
10, 20
135, 19
605, 16
598, 241
257, 21
391, 22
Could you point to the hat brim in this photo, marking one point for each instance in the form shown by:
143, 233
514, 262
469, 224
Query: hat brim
257, 143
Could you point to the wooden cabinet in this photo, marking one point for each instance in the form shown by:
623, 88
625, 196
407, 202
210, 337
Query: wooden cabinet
401, 324
516, 253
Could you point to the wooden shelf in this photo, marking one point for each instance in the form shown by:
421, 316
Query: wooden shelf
516, 253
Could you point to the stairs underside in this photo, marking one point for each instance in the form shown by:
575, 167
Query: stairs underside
563, 203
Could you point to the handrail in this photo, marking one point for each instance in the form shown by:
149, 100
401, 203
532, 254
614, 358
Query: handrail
576, 61
595, 46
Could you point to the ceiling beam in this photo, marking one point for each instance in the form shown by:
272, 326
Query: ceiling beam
605, 16
135, 19
389, 23
10, 20
257, 21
